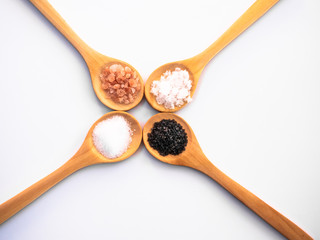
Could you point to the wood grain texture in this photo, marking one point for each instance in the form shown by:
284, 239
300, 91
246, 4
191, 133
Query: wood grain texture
196, 64
86, 155
94, 60
194, 157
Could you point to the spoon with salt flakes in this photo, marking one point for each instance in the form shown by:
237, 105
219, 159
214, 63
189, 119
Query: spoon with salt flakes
97, 64
87, 155
192, 156
196, 64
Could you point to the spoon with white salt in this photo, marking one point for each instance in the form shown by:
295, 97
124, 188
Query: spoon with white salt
99, 146
195, 65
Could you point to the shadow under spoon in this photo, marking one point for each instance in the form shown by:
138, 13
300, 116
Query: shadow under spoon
94, 60
194, 157
87, 155
196, 64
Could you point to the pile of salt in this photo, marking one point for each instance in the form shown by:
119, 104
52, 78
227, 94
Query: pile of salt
173, 88
112, 136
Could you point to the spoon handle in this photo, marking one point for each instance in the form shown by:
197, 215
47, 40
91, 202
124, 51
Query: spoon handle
256, 10
54, 17
24, 198
267, 213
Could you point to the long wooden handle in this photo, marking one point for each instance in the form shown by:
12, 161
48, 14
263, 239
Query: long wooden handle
257, 10
21, 200
54, 17
267, 213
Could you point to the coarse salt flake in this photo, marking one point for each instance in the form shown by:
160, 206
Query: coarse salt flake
173, 88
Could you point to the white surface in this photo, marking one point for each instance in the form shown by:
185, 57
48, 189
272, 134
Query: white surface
256, 114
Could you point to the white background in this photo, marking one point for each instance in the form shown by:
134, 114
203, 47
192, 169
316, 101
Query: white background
256, 114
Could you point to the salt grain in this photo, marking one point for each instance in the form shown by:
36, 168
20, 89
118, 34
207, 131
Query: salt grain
112, 136
173, 88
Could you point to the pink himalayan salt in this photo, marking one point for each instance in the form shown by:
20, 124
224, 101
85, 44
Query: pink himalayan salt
121, 84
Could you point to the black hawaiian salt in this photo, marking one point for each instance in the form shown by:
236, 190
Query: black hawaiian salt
168, 137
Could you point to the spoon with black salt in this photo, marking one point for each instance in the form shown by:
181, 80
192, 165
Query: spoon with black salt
170, 139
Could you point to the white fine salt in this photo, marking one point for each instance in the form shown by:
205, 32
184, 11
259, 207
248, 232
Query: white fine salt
112, 136
173, 88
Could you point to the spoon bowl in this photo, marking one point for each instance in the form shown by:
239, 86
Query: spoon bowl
88, 145
194, 157
196, 64
87, 155
172, 159
95, 66
94, 60
155, 75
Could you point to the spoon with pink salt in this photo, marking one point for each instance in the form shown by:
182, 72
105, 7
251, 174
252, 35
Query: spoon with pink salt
117, 84
195, 65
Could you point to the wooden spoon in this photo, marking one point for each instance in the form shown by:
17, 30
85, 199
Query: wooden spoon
87, 155
94, 60
194, 157
196, 64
